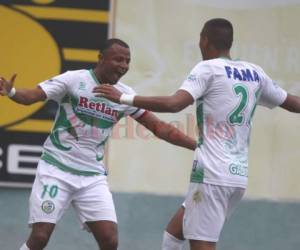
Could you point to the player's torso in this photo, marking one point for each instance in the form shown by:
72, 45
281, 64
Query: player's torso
232, 93
224, 117
83, 124
91, 117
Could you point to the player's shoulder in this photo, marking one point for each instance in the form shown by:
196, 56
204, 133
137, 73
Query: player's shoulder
73, 73
212, 63
77, 72
250, 65
124, 88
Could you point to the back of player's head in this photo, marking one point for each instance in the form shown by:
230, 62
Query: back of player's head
110, 42
219, 33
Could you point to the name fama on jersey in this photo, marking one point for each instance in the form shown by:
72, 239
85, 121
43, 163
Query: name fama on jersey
97, 109
243, 74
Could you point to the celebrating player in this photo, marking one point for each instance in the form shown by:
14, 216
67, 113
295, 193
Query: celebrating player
226, 93
71, 169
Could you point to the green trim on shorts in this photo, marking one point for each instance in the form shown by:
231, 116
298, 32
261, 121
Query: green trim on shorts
51, 160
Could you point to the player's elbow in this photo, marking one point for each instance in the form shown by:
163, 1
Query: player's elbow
27, 103
174, 108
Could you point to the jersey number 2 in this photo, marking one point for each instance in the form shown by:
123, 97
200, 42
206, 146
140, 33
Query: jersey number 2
237, 116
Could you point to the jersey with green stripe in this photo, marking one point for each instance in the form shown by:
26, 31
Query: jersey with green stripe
83, 122
226, 93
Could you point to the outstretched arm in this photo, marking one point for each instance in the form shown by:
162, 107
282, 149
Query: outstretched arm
172, 104
166, 131
22, 96
291, 103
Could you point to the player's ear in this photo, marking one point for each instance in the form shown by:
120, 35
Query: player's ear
205, 41
100, 56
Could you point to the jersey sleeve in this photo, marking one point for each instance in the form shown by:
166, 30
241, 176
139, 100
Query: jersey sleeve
134, 112
271, 94
57, 87
197, 81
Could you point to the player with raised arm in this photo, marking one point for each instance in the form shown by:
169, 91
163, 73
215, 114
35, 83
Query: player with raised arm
71, 169
226, 93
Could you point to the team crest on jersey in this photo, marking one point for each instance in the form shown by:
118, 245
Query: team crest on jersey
82, 86
197, 196
48, 206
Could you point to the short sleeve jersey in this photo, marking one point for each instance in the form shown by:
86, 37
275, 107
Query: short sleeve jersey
226, 93
83, 122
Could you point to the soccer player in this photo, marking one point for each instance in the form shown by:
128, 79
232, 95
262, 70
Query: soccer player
71, 169
226, 93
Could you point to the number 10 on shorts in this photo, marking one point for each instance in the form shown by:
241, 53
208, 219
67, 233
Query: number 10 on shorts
51, 190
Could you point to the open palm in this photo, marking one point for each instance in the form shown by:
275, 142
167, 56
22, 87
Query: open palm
5, 85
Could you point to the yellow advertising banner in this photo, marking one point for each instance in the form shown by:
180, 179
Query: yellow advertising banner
42, 38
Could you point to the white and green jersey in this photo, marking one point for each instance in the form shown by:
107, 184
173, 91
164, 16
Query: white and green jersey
83, 122
226, 94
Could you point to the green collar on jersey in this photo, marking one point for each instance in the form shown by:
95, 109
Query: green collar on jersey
94, 76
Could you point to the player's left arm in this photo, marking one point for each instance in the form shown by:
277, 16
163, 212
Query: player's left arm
166, 131
291, 103
173, 103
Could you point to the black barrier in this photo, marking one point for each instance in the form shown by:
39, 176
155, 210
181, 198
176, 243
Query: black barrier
78, 29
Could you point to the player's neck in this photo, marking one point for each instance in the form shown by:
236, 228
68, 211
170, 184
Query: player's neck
224, 54
213, 54
97, 73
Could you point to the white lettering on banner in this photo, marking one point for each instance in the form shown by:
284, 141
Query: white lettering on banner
14, 158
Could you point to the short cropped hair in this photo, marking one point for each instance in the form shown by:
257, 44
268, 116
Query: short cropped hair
219, 32
110, 42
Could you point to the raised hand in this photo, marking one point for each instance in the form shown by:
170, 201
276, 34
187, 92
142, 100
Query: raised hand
6, 85
108, 91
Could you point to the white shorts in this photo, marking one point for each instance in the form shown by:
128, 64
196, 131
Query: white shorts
206, 209
54, 190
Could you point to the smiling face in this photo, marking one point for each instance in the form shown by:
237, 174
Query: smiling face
113, 63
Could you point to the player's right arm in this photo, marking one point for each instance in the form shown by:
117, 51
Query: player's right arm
166, 131
22, 96
291, 103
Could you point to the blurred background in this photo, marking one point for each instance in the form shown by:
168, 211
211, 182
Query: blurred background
148, 177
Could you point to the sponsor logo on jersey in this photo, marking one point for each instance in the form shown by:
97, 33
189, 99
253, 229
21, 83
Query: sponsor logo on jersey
97, 109
237, 169
192, 78
48, 206
242, 74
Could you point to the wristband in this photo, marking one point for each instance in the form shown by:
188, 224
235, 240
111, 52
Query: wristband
12, 92
127, 99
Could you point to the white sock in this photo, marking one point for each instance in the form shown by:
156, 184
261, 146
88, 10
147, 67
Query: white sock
24, 247
170, 242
